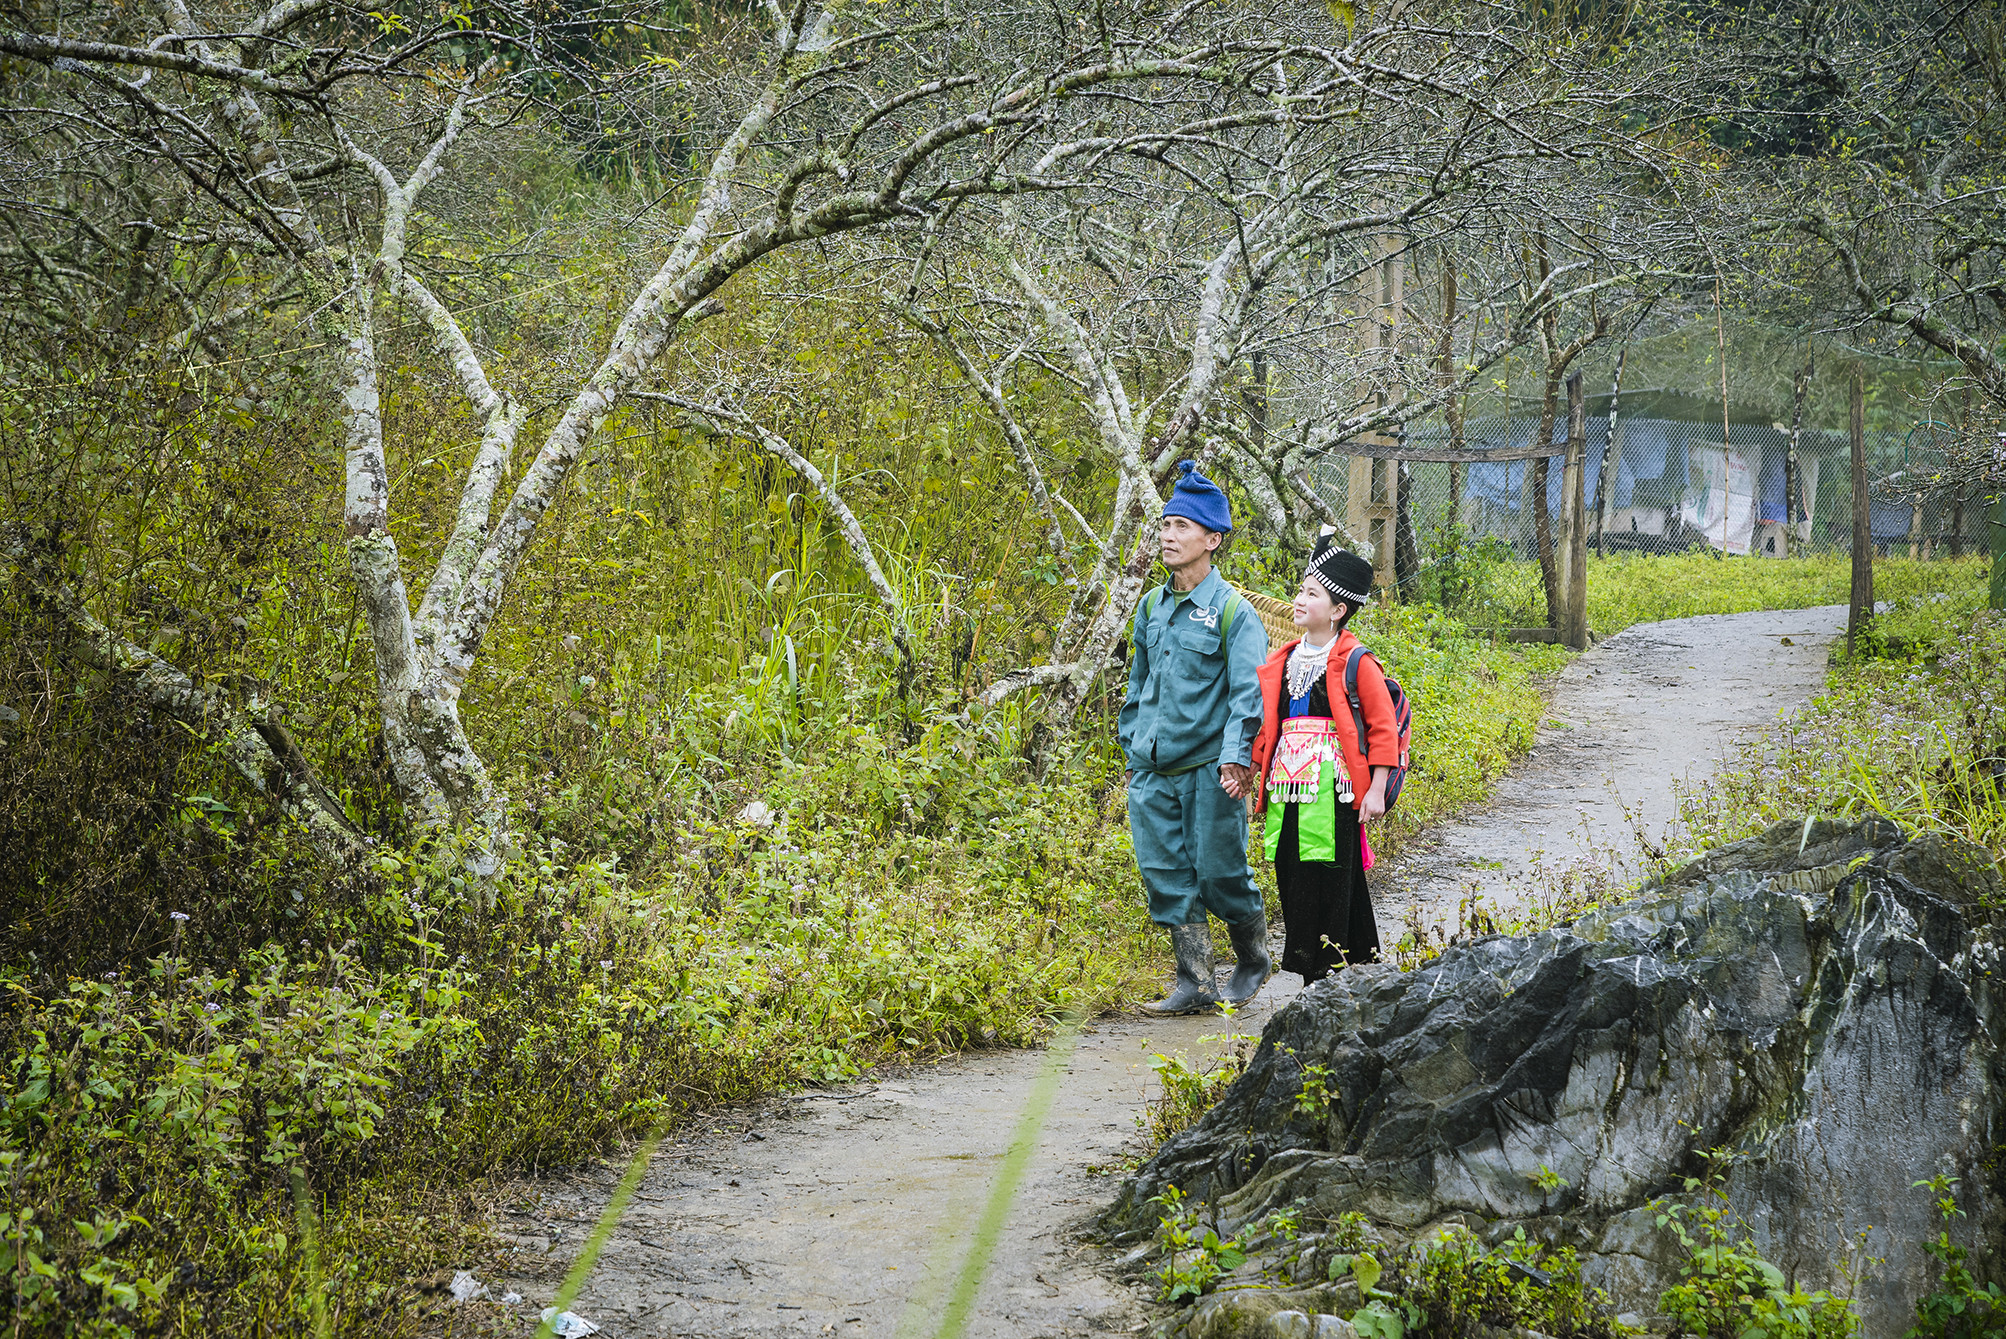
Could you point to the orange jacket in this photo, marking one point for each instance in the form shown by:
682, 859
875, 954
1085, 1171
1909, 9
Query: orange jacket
1377, 703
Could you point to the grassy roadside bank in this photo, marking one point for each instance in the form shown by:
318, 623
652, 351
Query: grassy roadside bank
1634, 588
1913, 729
1488, 589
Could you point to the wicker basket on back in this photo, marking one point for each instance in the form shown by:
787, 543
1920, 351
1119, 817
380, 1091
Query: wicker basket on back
1277, 616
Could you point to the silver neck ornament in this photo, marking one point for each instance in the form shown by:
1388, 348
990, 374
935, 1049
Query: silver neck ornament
1306, 665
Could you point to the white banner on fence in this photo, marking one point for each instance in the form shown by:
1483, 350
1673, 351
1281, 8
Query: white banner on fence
1719, 500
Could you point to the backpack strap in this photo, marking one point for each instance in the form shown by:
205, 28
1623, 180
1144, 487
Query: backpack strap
1147, 609
1358, 653
1233, 602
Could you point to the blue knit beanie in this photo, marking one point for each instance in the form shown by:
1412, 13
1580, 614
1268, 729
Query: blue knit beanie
1197, 498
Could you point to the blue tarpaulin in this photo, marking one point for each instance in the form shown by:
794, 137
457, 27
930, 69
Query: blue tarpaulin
1646, 447
1769, 489
1890, 518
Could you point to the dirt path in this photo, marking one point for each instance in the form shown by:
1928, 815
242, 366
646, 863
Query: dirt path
849, 1212
1655, 704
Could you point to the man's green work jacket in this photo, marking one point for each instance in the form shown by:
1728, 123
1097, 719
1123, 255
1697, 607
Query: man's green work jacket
1194, 698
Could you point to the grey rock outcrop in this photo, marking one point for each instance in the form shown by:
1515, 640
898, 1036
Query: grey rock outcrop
1821, 1000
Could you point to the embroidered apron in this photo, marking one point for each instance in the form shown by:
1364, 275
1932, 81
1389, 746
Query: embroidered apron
1308, 770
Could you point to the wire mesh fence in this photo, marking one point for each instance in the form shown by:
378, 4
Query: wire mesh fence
1664, 479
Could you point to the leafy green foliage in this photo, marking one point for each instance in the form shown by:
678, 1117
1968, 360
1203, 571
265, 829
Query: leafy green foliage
438, 1044
1483, 584
1959, 1306
1188, 1090
1643, 588
1314, 1097
1384, 1314
1727, 1290
1195, 1255
1466, 573
1285, 1223
1450, 1283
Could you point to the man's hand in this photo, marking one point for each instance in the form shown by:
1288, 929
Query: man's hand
1236, 780
1374, 804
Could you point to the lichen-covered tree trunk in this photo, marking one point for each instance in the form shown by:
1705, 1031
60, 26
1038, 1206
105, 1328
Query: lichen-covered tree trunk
1542, 529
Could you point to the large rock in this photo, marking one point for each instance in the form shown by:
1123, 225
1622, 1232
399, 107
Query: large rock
1819, 1000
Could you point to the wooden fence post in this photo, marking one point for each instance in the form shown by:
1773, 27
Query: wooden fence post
1574, 549
1861, 609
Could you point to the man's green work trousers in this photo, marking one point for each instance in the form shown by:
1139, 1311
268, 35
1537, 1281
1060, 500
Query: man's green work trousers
1191, 845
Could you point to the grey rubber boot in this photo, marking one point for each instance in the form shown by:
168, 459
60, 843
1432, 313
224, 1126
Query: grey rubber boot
1194, 991
1252, 965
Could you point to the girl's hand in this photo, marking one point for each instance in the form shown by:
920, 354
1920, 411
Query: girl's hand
1373, 805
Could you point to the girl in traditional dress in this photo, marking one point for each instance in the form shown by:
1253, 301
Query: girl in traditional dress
1319, 782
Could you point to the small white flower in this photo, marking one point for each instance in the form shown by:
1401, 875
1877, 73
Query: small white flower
177, 915
383, 1017
606, 964
211, 1008
587, 680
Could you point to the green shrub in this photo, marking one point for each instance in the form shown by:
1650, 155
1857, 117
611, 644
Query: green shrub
1644, 588
1467, 574
1921, 626
152, 1119
1959, 1306
1447, 1285
1481, 583
1727, 1290
1189, 1090
1194, 1254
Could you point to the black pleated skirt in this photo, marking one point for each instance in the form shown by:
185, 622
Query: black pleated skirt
1326, 910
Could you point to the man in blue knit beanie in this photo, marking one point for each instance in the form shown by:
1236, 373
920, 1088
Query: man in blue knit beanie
1187, 731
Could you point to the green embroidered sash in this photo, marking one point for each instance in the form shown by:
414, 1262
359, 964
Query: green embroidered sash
1316, 822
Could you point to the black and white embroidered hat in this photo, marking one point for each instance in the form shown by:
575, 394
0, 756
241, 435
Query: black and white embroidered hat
1343, 573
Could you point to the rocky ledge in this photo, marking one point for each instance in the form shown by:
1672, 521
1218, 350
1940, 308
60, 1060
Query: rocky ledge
1819, 1000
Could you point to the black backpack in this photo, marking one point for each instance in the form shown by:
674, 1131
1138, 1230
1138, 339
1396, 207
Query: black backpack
1403, 719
